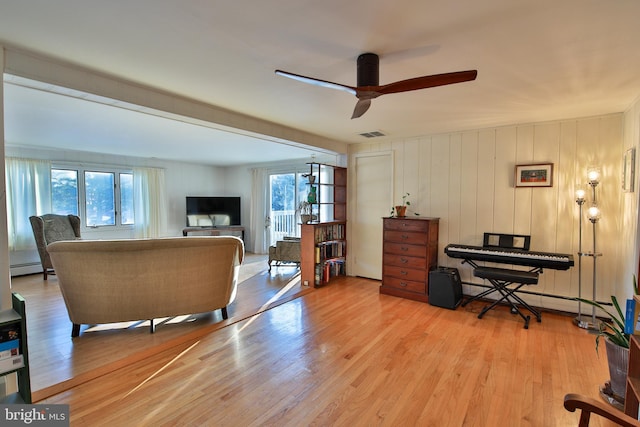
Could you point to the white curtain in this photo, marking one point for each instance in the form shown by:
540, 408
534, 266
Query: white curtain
259, 197
28, 193
150, 207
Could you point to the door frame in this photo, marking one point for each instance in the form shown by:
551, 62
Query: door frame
352, 205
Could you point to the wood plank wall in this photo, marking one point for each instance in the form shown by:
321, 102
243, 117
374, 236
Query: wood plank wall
467, 179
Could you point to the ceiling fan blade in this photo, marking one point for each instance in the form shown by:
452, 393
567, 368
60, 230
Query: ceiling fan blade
428, 81
317, 82
361, 107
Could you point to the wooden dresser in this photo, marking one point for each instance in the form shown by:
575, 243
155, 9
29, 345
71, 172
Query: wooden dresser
410, 251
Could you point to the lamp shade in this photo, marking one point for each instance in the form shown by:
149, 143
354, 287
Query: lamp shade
593, 214
593, 175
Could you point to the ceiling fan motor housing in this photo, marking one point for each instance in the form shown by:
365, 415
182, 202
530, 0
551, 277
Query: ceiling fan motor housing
368, 69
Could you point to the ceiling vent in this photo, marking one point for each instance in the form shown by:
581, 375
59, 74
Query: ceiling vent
372, 134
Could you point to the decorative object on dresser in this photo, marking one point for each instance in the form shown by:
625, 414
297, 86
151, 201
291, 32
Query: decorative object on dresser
400, 211
410, 251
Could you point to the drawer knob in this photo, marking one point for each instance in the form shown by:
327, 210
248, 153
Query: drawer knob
403, 284
404, 248
404, 273
403, 260
404, 236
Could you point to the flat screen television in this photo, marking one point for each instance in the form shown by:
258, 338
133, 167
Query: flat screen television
209, 206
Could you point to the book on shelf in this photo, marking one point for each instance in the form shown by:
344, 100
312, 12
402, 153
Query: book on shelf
9, 345
630, 318
325, 271
11, 363
329, 232
635, 318
9, 332
5, 354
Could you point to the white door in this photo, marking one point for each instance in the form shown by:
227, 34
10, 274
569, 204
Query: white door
373, 183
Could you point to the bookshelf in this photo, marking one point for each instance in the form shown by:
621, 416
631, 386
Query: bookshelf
632, 394
329, 186
14, 354
323, 251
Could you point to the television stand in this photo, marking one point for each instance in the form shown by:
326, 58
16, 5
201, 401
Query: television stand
223, 230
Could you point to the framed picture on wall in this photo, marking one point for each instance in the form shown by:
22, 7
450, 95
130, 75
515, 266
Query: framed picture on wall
534, 175
629, 170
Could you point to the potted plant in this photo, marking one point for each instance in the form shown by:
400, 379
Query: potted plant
400, 210
304, 208
617, 343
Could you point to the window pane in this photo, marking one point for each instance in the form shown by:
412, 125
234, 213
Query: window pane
64, 192
99, 198
126, 198
283, 206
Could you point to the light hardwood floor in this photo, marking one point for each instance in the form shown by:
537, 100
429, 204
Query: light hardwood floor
58, 362
346, 355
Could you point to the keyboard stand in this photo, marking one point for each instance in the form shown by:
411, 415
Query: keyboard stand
500, 279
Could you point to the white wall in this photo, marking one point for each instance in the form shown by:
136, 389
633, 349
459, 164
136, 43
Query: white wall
182, 179
467, 180
629, 218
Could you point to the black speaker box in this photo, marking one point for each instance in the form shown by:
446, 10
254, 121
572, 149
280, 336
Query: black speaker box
445, 288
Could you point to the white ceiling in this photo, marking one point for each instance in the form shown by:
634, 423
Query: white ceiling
537, 60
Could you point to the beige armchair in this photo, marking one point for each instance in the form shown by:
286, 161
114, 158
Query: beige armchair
51, 228
285, 251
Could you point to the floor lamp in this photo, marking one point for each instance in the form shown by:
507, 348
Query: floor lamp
593, 214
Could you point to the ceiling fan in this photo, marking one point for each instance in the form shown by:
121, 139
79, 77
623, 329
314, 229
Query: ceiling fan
368, 82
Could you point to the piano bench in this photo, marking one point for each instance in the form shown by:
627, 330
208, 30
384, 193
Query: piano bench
506, 275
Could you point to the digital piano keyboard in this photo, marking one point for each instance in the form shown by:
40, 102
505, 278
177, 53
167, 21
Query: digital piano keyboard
550, 260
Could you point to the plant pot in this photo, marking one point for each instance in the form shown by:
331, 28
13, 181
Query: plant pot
401, 211
618, 360
305, 218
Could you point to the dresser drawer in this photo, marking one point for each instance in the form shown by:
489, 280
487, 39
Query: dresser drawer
406, 225
404, 249
405, 237
404, 261
405, 273
404, 285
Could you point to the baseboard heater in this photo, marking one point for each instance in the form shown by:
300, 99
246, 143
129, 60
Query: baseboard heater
540, 294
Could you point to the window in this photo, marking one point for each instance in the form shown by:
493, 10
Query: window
64, 191
105, 195
126, 198
99, 199
286, 192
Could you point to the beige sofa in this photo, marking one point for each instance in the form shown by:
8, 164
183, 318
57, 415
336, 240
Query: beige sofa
108, 281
